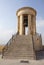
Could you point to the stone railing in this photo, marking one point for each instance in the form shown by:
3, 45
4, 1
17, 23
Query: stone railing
8, 44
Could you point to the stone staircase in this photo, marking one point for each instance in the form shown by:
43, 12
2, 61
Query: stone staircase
21, 47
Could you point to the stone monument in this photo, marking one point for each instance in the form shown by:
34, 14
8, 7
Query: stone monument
22, 45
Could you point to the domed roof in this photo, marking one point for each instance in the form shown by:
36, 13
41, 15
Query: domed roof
23, 8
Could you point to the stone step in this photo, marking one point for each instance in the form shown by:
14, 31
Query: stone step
21, 47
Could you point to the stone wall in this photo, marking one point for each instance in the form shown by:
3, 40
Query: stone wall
37, 42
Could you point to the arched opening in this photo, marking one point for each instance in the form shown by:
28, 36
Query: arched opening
25, 23
26, 30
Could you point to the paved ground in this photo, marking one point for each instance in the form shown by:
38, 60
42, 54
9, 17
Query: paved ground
18, 62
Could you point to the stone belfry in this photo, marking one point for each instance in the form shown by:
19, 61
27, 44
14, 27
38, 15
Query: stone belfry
22, 46
26, 18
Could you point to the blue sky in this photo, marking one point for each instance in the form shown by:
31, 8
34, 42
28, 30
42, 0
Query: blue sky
8, 18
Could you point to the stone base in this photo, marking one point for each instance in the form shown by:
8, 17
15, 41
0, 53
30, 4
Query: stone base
21, 48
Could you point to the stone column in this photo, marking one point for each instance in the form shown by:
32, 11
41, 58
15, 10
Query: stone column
34, 24
21, 24
24, 30
29, 24
18, 24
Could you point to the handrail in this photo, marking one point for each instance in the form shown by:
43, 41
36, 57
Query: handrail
8, 44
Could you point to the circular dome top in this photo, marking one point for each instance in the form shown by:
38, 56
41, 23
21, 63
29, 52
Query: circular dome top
26, 10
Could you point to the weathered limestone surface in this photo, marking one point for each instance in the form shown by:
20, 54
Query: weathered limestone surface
37, 42
31, 20
21, 48
24, 46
